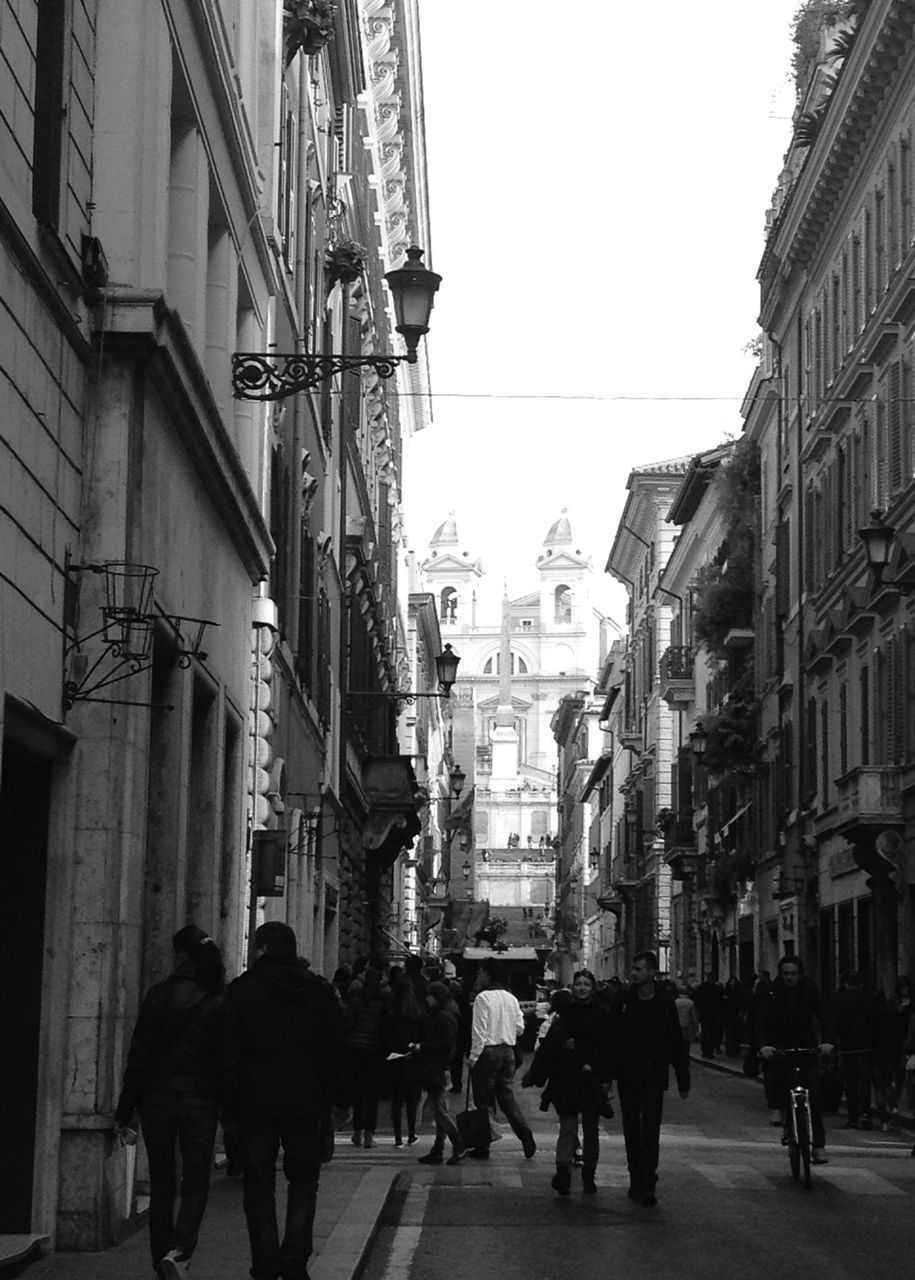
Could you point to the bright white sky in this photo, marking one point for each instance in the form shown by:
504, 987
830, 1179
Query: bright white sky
599, 174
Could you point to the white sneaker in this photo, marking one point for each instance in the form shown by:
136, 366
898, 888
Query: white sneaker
174, 1266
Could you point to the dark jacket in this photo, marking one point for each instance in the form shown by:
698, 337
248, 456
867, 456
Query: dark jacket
291, 1048
647, 1042
579, 1038
367, 1018
180, 1045
791, 1019
436, 1049
853, 1020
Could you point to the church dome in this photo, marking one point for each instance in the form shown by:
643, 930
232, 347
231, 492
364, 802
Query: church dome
446, 534
560, 531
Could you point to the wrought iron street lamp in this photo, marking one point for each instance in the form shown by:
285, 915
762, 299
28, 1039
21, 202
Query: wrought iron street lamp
275, 377
466, 868
446, 665
698, 740
878, 542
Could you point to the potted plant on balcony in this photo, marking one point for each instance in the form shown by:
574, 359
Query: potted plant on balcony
344, 263
308, 25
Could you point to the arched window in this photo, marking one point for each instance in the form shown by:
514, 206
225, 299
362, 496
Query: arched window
493, 665
563, 602
448, 604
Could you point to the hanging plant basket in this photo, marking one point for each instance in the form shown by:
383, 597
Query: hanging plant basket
309, 25
344, 263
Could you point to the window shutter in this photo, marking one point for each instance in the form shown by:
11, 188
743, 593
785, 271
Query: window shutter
894, 421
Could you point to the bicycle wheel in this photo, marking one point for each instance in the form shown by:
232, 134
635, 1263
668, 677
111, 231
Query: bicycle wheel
794, 1151
804, 1126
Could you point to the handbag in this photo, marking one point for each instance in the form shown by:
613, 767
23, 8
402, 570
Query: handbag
473, 1123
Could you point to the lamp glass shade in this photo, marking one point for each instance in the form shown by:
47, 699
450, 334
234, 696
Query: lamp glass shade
698, 740
466, 869
413, 287
446, 665
878, 540
456, 778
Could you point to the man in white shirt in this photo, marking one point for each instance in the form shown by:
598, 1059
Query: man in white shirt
497, 1024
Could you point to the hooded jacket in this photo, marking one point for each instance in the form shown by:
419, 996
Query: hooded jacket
291, 1050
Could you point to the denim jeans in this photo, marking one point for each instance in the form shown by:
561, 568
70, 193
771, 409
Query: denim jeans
568, 1138
261, 1139
642, 1106
188, 1123
437, 1110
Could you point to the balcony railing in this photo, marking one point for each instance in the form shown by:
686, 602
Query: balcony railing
870, 795
678, 674
679, 834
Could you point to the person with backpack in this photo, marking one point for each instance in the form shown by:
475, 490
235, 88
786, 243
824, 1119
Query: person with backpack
175, 1079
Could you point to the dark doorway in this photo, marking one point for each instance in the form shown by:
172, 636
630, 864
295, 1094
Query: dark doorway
25, 786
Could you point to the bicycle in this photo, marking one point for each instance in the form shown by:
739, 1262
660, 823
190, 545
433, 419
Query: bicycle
797, 1134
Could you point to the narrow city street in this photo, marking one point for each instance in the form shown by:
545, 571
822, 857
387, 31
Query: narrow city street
727, 1204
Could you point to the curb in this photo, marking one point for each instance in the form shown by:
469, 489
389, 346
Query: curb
346, 1248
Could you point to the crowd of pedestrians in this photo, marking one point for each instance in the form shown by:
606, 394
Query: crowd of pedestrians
285, 1061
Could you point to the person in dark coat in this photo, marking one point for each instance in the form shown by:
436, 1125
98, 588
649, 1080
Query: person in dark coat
175, 1078
405, 1027
368, 1010
574, 1062
708, 999
292, 1069
432, 1056
647, 1042
462, 1045
733, 1008
791, 1018
853, 1023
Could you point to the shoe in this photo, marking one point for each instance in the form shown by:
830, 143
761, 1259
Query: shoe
411, 1142
884, 1128
433, 1157
561, 1181
479, 1153
649, 1199
174, 1265
398, 1142
528, 1144
819, 1156
455, 1158
369, 1140
356, 1139
588, 1185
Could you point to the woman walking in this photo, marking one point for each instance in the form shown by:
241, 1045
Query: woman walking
405, 1027
574, 1062
368, 1007
176, 1066
433, 1056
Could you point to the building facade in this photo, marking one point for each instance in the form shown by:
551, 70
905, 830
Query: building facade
216, 170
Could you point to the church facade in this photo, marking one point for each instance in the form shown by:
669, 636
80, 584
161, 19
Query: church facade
517, 663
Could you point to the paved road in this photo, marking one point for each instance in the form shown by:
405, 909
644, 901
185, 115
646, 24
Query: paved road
727, 1206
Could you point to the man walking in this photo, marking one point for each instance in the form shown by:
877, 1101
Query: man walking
292, 1069
648, 1043
496, 1024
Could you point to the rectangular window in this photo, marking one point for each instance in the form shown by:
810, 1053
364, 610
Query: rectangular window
864, 699
867, 254
843, 728
50, 116
905, 193
879, 243
856, 289
824, 754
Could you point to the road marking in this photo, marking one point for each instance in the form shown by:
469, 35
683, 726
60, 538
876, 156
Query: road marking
406, 1236
861, 1181
735, 1177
